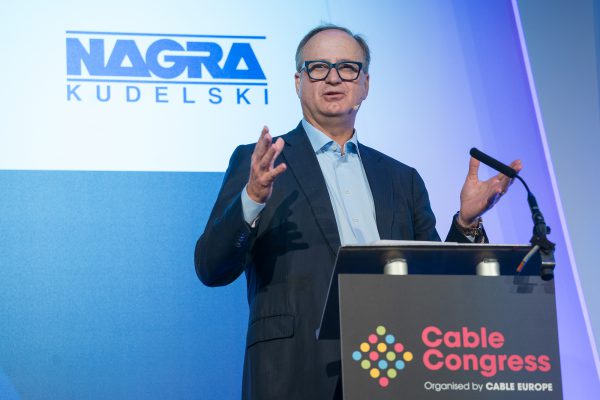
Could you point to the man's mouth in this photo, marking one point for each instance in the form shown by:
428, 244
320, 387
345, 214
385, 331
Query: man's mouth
332, 95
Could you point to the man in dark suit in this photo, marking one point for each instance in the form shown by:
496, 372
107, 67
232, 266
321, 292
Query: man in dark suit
286, 206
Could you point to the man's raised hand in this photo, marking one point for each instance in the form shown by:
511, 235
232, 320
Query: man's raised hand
262, 170
476, 197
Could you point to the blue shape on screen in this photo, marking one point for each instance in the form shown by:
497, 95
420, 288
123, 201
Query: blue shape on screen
99, 294
7, 390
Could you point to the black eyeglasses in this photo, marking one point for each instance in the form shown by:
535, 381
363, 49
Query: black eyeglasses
318, 70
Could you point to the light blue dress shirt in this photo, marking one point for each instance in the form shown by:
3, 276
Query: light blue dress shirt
347, 185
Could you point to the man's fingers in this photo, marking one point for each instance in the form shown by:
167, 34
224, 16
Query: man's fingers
275, 172
265, 161
263, 144
473, 169
505, 180
502, 179
268, 159
517, 165
278, 147
268, 177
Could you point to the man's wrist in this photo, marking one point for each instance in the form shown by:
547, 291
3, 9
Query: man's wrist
466, 224
474, 230
252, 195
250, 208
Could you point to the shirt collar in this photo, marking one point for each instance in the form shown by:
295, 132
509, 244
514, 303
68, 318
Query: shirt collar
320, 141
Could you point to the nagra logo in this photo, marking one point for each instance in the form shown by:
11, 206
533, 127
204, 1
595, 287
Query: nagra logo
164, 68
475, 350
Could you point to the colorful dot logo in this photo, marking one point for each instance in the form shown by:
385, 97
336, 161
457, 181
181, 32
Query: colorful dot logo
381, 356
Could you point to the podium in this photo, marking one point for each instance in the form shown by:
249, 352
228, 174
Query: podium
442, 332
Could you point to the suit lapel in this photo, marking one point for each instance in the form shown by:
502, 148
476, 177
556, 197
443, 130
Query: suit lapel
302, 162
381, 189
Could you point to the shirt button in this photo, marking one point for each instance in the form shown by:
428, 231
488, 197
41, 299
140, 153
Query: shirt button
355, 220
347, 191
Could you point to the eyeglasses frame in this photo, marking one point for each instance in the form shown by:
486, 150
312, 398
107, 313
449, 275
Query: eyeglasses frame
332, 66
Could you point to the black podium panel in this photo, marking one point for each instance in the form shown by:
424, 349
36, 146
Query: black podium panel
449, 337
426, 258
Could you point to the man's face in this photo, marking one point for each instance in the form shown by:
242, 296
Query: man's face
324, 102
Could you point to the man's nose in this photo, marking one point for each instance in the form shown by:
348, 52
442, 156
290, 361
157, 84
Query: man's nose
333, 76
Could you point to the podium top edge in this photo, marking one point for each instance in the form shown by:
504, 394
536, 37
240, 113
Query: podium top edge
417, 244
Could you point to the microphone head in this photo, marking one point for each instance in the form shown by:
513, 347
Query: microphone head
492, 163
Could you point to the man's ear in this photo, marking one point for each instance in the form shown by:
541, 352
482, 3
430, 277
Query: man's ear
367, 76
297, 83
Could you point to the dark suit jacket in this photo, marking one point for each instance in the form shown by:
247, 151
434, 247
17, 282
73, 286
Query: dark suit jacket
288, 259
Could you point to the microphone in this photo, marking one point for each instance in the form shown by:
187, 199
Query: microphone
539, 240
493, 163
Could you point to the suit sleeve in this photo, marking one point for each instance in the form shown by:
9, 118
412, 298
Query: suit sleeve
222, 251
423, 217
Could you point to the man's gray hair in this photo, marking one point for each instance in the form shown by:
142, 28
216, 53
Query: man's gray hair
359, 39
